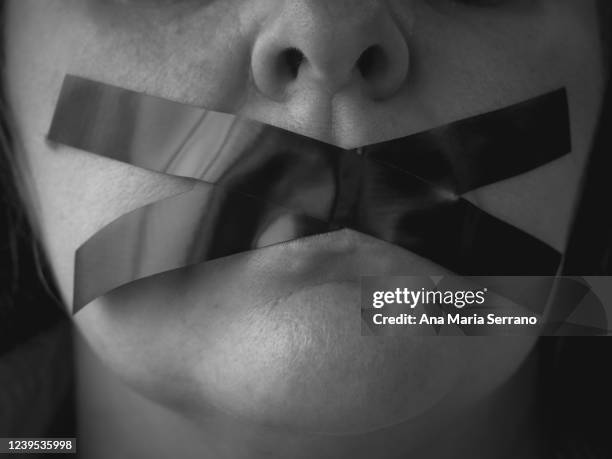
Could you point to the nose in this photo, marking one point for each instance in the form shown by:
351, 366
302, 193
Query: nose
329, 45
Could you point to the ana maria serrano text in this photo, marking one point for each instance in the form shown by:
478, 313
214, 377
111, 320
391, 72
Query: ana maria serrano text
460, 300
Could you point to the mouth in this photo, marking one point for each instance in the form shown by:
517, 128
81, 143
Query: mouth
259, 186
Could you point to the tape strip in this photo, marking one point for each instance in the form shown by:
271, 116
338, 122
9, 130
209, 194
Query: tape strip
261, 185
151, 132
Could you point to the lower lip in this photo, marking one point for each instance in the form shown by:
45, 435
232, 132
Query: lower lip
338, 257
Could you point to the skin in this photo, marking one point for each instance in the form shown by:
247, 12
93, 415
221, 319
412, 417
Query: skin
286, 366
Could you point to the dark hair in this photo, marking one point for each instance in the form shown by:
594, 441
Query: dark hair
575, 381
36, 365
23, 274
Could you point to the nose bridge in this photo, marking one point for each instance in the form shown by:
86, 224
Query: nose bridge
353, 13
332, 34
330, 44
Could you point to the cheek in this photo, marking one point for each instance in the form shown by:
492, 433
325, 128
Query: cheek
195, 52
473, 60
72, 194
496, 58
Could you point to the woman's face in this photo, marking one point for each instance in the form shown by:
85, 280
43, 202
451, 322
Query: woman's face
253, 336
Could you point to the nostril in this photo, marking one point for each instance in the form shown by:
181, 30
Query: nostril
293, 56
292, 59
372, 62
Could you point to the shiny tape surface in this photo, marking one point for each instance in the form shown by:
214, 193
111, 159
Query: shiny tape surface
259, 185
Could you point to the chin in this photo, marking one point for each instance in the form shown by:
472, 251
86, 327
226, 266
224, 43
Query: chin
299, 363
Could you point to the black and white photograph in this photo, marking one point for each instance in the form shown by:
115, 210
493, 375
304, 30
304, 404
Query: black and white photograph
306, 229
